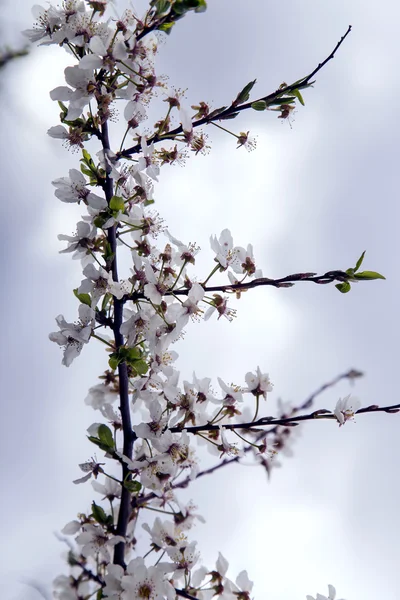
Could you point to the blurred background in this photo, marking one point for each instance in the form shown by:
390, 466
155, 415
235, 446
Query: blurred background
311, 197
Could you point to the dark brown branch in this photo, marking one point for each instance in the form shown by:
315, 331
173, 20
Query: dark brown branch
330, 57
287, 281
75, 562
352, 374
89, 574
228, 112
129, 436
394, 408
286, 421
157, 23
124, 512
228, 461
185, 594
283, 282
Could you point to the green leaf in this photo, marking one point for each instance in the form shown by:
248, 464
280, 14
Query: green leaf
201, 6
101, 219
180, 8
244, 95
106, 300
162, 7
350, 272
231, 116
141, 367
117, 203
83, 298
360, 260
259, 105
74, 123
88, 167
166, 27
86, 155
99, 514
133, 486
133, 353
113, 362
108, 253
343, 287
281, 100
63, 107
119, 356
216, 112
86, 171
299, 81
100, 444
298, 96
368, 275
132, 356
106, 436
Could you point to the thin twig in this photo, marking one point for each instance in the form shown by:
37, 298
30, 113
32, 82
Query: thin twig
287, 421
227, 112
283, 282
352, 374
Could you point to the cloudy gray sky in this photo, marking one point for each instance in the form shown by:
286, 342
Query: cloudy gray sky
310, 198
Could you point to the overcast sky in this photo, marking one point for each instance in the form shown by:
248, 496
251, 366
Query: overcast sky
310, 198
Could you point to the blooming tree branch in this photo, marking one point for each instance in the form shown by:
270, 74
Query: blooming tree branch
281, 97
148, 450
292, 421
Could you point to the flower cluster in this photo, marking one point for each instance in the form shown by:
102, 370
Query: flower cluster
153, 419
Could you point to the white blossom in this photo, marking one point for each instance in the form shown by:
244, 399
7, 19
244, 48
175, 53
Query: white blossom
148, 162
95, 542
78, 95
100, 396
223, 248
73, 189
259, 383
79, 243
163, 533
73, 336
146, 583
184, 557
346, 408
